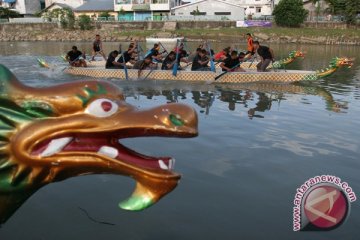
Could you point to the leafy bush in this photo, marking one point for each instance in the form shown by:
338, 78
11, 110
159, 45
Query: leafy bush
84, 22
290, 13
105, 15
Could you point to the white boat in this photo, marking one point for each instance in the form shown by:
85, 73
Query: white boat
153, 40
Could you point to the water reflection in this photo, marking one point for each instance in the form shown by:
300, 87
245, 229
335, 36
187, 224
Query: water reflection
243, 96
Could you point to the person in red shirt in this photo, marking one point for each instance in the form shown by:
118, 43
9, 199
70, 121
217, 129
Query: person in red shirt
222, 55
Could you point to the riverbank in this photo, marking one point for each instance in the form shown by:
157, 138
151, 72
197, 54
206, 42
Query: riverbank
223, 33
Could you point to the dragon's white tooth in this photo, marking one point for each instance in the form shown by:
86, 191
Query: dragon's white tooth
172, 163
108, 151
55, 146
163, 165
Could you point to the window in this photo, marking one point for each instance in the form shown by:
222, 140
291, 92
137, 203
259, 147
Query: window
159, 1
198, 13
222, 13
123, 1
258, 9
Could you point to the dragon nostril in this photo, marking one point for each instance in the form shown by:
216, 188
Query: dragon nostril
176, 120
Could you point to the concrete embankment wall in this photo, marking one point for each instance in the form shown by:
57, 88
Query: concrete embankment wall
120, 31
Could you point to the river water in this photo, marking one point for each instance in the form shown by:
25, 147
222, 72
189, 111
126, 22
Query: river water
257, 144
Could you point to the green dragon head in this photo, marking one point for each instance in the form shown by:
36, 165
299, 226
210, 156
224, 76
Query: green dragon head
54, 133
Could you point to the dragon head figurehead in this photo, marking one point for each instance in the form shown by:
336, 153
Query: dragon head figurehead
296, 54
342, 62
51, 134
291, 58
335, 64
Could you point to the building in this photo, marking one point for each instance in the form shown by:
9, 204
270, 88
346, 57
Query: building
70, 3
208, 10
257, 8
317, 11
94, 8
24, 7
140, 10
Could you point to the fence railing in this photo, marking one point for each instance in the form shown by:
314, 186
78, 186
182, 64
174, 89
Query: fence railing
199, 18
328, 18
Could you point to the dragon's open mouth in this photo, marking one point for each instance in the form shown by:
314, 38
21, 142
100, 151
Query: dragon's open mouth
102, 145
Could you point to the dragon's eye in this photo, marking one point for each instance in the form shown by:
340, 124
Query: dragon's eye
102, 108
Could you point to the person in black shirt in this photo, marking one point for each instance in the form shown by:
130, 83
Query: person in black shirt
76, 58
266, 54
97, 48
111, 63
169, 61
232, 63
200, 62
128, 54
145, 64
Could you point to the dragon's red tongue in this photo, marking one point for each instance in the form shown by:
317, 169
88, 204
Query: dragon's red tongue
109, 147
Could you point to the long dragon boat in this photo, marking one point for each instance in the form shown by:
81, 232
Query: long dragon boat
282, 63
208, 76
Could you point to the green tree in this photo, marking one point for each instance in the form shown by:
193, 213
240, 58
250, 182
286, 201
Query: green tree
290, 13
84, 22
7, 13
335, 6
64, 15
196, 12
352, 9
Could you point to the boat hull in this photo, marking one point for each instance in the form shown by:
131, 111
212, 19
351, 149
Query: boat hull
235, 77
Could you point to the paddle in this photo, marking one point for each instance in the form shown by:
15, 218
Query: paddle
139, 52
164, 47
251, 62
147, 75
125, 68
212, 65
222, 74
176, 64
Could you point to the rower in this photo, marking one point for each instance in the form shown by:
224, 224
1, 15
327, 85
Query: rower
232, 62
145, 64
127, 56
200, 62
154, 53
250, 46
222, 55
194, 54
111, 63
76, 58
169, 61
266, 55
97, 48
242, 57
182, 53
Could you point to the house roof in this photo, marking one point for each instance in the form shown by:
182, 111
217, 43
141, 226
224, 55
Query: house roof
200, 1
62, 5
96, 5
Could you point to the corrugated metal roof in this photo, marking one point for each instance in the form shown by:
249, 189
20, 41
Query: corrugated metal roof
96, 5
